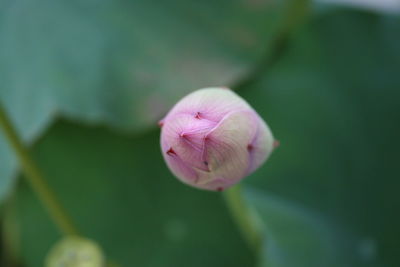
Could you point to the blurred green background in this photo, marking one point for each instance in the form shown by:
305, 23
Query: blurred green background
85, 82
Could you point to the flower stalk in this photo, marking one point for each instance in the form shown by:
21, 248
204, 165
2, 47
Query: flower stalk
36, 178
244, 218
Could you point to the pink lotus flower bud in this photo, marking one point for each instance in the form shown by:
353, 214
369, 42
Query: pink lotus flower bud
212, 138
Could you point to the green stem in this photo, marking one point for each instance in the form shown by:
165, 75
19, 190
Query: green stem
244, 217
35, 178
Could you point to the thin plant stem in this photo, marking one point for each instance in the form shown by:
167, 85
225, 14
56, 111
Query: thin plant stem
36, 179
244, 218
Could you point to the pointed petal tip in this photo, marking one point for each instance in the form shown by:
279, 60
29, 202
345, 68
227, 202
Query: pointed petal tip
276, 144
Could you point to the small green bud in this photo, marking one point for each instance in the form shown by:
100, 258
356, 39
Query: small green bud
75, 251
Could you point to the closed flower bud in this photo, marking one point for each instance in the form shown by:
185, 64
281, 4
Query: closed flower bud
212, 138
